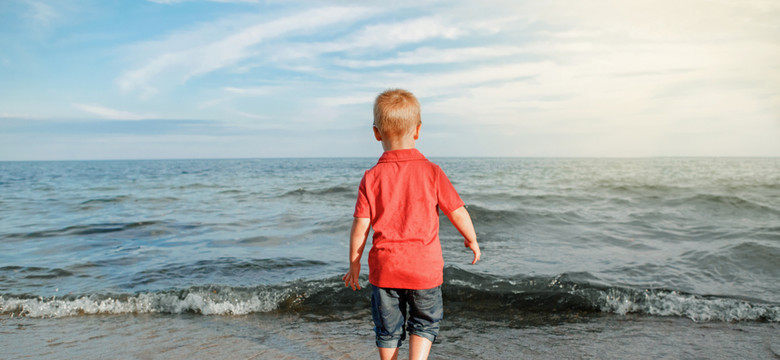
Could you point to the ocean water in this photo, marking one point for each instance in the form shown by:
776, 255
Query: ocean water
684, 252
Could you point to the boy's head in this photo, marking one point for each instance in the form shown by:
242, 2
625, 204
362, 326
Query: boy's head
396, 112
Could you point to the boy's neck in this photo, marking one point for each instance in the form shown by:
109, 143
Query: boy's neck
399, 143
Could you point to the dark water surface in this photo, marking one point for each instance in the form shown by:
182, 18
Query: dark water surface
690, 240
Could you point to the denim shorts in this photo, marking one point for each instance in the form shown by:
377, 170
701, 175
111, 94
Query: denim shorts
389, 311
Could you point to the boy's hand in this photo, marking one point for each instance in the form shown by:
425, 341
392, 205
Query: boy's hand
462, 221
474, 248
352, 277
357, 241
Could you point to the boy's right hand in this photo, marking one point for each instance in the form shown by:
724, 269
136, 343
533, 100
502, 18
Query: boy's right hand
352, 277
474, 248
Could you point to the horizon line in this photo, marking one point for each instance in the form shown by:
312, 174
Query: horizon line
433, 157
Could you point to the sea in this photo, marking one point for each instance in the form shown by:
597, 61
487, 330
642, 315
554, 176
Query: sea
602, 258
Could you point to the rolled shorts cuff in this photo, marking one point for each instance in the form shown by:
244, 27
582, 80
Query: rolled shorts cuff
389, 342
423, 334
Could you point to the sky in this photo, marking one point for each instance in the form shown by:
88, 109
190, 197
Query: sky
163, 79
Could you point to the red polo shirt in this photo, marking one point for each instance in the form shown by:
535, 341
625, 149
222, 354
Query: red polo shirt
401, 195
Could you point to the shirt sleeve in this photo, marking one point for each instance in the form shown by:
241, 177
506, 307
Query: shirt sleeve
448, 198
362, 208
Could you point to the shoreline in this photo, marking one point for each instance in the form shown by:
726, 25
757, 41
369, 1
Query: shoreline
291, 336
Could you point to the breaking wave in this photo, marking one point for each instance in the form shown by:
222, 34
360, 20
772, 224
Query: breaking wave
462, 291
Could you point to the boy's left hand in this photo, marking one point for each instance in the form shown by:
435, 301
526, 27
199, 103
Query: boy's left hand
352, 277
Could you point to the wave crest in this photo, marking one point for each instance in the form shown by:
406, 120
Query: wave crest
463, 292
694, 307
198, 301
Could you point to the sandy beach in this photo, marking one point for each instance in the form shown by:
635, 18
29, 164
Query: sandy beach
285, 336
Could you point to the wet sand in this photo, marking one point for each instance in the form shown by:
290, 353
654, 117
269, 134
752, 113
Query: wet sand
289, 336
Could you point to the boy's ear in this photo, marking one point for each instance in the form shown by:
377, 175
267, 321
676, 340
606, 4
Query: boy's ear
377, 135
417, 131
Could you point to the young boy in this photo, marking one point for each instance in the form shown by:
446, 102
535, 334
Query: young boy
400, 198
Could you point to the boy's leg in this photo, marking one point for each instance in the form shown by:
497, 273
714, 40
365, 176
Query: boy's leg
425, 314
388, 310
388, 353
419, 347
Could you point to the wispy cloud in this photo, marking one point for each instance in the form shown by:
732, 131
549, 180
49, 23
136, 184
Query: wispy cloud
457, 81
17, 116
373, 39
430, 55
168, 2
391, 35
352, 99
252, 116
110, 114
226, 51
249, 91
42, 13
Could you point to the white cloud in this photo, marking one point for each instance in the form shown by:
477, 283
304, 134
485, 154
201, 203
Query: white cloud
626, 72
249, 91
42, 13
252, 116
168, 2
631, 81
430, 55
26, 116
456, 81
389, 36
427, 85
373, 38
195, 59
110, 114
364, 98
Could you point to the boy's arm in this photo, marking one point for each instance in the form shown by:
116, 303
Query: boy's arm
357, 241
462, 221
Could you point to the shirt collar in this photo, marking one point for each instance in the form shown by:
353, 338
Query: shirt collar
401, 155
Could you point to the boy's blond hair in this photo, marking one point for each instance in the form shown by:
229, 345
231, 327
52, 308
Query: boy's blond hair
396, 112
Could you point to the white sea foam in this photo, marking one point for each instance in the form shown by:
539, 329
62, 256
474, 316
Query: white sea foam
697, 308
202, 302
